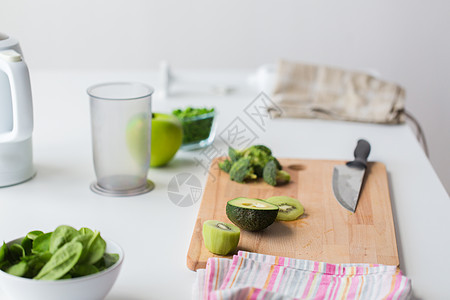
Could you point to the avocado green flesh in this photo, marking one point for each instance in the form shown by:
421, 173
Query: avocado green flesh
252, 203
251, 214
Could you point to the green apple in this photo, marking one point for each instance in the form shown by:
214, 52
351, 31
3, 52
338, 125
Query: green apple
137, 138
167, 135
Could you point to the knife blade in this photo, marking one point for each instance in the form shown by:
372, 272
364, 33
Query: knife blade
348, 178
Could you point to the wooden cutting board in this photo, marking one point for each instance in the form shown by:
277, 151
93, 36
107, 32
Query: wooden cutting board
326, 232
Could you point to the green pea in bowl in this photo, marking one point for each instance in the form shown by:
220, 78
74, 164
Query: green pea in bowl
86, 287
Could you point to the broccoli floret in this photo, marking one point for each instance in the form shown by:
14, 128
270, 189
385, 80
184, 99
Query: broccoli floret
225, 165
273, 176
252, 151
259, 156
258, 150
253, 162
279, 167
234, 154
261, 148
283, 177
242, 170
258, 159
270, 173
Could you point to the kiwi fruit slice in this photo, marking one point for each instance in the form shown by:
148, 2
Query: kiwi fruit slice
219, 237
289, 208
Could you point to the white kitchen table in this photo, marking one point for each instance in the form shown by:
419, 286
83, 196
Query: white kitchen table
155, 232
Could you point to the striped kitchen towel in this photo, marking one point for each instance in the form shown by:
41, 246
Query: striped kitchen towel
257, 276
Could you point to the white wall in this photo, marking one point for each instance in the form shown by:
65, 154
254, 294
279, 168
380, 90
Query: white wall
407, 41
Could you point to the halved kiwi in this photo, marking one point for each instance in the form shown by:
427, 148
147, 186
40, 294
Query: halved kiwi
289, 208
219, 237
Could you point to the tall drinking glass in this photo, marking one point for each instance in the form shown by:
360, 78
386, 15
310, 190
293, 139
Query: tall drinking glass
121, 134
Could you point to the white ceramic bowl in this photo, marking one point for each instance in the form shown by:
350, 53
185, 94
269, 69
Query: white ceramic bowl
91, 287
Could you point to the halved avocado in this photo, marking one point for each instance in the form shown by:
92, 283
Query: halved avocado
251, 214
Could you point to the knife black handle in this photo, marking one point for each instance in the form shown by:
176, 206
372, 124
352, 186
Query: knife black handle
362, 151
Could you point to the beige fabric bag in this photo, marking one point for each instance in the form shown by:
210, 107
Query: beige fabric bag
312, 91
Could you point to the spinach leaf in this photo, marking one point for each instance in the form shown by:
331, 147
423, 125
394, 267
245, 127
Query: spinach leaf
16, 252
18, 269
41, 243
95, 249
67, 276
4, 265
85, 230
84, 240
83, 270
3, 252
110, 259
27, 244
64, 259
62, 235
75, 253
32, 235
107, 261
36, 262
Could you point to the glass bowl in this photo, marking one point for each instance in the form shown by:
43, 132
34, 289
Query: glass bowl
198, 131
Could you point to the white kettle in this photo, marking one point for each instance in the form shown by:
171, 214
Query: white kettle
16, 115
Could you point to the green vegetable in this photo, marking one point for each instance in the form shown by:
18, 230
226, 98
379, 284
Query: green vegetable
259, 157
225, 165
249, 163
3, 252
191, 112
32, 235
84, 240
36, 262
42, 243
64, 259
61, 254
85, 230
196, 122
83, 270
95, 249
27, 242
273, 176
18, 269
263, 149
108, 260
16, 251
26, 245
270, 173
62, 234
242, 170
277, 163
234, 154
251, 214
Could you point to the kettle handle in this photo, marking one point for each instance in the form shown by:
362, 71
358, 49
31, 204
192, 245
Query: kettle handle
22, 107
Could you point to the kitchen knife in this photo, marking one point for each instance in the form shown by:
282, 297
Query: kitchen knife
348, 178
